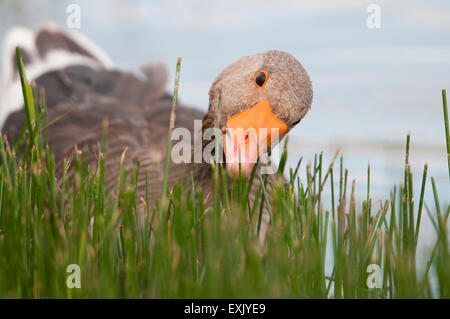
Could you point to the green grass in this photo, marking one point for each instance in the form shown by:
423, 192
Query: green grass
186, 250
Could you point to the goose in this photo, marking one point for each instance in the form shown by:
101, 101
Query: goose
268, 90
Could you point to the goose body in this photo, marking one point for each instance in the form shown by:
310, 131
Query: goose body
84, 90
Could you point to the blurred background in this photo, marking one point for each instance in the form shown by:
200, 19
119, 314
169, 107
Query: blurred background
371, 85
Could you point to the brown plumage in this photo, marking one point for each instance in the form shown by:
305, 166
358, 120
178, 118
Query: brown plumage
138, 108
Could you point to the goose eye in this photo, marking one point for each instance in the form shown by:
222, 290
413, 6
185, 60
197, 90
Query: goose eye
261, 79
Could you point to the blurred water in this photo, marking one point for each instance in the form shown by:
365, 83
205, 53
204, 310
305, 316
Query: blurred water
371, 86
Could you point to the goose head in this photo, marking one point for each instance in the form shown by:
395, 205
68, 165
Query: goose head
256, 101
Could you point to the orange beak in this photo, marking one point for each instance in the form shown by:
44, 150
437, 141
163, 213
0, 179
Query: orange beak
249, 133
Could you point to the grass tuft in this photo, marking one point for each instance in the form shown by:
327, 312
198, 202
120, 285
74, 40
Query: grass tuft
315, 247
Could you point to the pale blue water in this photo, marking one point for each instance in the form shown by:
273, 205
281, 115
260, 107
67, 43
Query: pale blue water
371, 86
